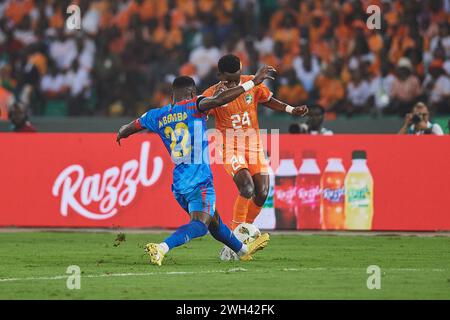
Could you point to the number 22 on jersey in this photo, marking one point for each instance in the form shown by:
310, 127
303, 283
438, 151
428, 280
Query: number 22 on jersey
184, 146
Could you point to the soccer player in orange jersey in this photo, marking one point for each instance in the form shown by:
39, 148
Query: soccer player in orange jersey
250, 177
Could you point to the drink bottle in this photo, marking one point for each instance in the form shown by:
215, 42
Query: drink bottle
308, 193
333, 195
284, 194
359, 194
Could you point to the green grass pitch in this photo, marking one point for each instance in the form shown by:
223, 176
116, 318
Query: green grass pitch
33, 266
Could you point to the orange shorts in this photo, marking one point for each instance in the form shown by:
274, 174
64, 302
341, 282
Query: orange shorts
255, 162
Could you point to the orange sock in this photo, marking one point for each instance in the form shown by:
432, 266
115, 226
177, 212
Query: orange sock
253, 211
240, 211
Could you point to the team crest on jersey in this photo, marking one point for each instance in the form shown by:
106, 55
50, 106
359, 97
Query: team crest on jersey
249, 99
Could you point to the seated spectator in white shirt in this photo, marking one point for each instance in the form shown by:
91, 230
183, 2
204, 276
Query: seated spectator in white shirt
358, 93
24, 33
86, 53
53, 84
264, 43
437, 88
406, 88
79, 83
206, 56
307, 68
441, 39
381, 88
91, 19
63, 50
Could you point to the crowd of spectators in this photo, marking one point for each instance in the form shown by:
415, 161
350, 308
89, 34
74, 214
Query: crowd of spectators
127, 52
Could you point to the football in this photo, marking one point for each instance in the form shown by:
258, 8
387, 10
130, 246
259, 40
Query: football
246, 233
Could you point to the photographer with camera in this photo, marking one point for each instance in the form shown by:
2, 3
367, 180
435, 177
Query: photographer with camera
417, 122
314, 123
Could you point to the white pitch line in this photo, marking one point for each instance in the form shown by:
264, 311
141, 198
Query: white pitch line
107, 275
125, 275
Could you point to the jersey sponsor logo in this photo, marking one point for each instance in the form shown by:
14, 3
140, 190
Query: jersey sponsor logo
249, 99
116, 186
172, 117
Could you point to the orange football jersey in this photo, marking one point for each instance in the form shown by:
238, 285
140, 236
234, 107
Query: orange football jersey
241, 113
239, 118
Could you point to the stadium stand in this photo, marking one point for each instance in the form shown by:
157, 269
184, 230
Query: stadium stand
127, 51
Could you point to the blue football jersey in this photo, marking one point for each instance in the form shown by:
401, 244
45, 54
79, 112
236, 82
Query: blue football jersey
182, 128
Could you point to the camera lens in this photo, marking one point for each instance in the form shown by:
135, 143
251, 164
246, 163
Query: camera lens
416, 119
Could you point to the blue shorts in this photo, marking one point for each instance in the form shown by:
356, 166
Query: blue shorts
201, 199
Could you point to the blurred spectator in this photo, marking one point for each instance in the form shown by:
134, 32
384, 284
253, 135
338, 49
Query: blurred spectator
381, 88
23, 33
19, 118
63, 50
108, 75
314, 122
54, 84
291, 91
86, 53
417, 122
78, 81
330, 89
442, 39
437, 88
206, 56
307, 68
264, 43
358, 93
6, 99
406, 88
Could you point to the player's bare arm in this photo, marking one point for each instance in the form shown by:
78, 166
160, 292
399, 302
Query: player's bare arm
226, 96
127, 130
277, 105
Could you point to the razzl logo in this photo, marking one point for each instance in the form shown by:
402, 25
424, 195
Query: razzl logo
310, 195
334, 195
117, 186
285, 195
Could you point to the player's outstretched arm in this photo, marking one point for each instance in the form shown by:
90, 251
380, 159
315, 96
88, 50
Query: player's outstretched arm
127, 130
229, 95
277, 105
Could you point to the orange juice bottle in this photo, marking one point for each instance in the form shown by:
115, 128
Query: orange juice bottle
333, 195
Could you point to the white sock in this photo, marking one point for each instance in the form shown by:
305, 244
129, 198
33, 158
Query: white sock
243, 250
164, 247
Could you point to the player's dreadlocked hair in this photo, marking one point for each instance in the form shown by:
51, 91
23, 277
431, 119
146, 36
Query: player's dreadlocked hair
183, 82
229, 63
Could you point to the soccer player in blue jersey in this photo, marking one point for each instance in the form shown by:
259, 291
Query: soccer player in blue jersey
181, 126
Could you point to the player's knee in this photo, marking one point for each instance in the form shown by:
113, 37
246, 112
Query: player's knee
247, 190
215, 222
200, 227
261, 196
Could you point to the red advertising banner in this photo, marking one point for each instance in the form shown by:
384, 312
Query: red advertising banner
86, 180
